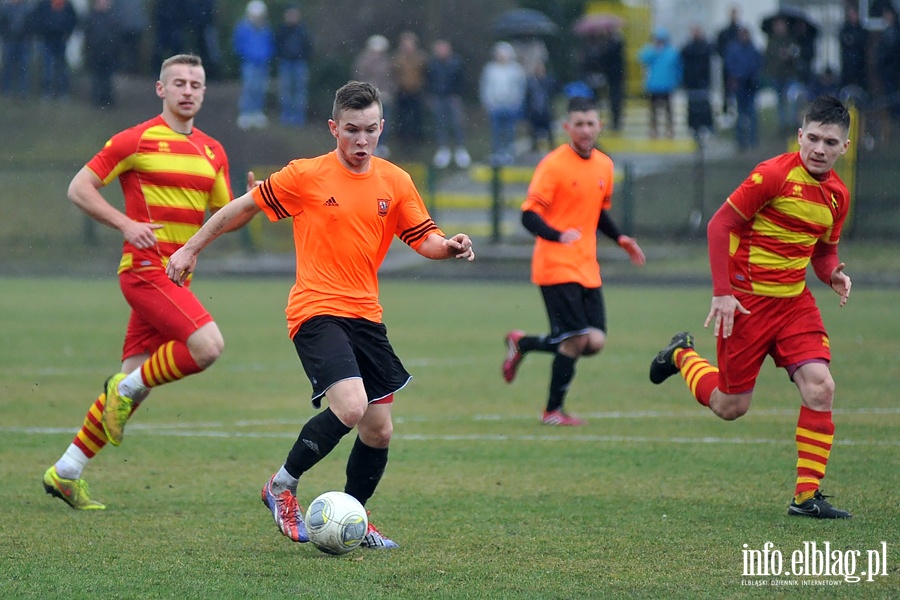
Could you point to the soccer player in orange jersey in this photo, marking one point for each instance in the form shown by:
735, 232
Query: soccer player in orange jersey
171, 173
346, 206
568, 202
787, 213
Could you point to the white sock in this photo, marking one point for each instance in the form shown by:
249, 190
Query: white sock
284, 481
132, 385
71, 464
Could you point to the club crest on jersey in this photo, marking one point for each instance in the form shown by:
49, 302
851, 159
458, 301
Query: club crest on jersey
834, 201
384, 204
209, 153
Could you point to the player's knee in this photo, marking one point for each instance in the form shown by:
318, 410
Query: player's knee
819, 396
730, 413
206, 346
595, 340
206, 354
378, 436
729, 408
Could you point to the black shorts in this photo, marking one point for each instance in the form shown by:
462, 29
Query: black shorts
332, 349
573, 309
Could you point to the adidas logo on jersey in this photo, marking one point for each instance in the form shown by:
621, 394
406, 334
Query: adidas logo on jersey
331, 202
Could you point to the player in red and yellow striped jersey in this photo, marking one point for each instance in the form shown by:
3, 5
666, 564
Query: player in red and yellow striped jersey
171, 174
346, 207
786, 215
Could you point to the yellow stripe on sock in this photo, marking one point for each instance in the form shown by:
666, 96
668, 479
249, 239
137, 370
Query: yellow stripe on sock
815, 435
811, 449
174, 373
812, 465
694, 375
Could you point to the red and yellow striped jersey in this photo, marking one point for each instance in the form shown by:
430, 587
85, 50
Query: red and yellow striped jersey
787, 212
569, 191
168, 178
343, 225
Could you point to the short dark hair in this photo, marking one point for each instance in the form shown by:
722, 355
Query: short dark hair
580, 104
180, 59
828, 110
355, 95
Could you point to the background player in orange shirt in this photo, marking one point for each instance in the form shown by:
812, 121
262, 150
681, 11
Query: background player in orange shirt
787, 213
171, 173
568, 202
346, 206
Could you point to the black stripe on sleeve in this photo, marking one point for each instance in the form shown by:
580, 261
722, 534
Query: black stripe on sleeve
418, 232
265, 189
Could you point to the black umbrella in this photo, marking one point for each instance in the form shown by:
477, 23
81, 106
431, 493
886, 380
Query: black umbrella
792, 15
523, 22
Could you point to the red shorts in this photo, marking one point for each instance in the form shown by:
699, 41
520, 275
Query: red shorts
160, 311
790, 330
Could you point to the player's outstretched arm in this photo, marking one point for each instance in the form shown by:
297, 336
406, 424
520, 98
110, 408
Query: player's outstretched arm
184, 260
436, 247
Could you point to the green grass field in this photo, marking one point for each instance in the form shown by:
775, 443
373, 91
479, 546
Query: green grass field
655, 498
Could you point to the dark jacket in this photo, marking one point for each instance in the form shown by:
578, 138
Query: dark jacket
293, 42
54, 25
444, 77
696, 58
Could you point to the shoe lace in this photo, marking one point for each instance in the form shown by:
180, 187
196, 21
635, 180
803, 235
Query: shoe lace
288, 507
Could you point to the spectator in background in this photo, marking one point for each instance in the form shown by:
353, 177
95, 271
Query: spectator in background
725, 37
663, 70
373, 65
502, 93
294, 48
854, 40
540, 90
444, 85
101, 37
805, 37
254, 45
200, 19
168, 25
133, 22
781, 68
410, 63
696, 56
826, 83
744, 63
54, 21
603, 69
15, 29
887, 62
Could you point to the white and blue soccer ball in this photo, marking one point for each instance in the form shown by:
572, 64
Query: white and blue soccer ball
336, 522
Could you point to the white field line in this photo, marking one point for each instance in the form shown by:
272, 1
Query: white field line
234, 429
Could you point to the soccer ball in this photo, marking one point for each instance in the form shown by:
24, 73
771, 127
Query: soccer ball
336, 522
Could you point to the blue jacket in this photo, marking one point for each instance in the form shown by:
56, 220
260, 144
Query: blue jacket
743, 62
254, 45
662, 65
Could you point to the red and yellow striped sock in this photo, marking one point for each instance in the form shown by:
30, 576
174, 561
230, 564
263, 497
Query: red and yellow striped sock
90, 439
815, 434
171, 361
699, 374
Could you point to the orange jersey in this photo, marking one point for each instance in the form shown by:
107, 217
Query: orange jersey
168, 178
787, 211
569, 191
343, 223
